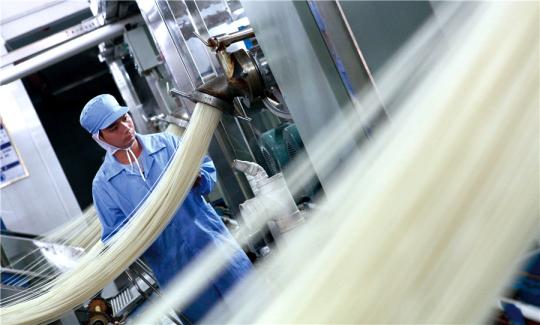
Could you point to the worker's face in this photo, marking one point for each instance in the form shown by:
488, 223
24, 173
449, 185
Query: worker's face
121, 133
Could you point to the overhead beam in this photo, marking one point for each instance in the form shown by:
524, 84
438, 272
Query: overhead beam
65, 50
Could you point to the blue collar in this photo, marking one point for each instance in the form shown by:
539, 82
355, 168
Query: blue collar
149, 148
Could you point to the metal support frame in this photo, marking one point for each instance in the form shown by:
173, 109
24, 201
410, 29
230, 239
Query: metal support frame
173, 25
305, 72
64, 51
84, 27
127, 90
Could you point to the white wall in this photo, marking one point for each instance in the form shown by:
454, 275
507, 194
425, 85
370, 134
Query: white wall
44, 200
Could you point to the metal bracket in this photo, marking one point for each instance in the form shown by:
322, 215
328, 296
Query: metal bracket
170, 119
220, 42
199, 97
202, 39
239, 111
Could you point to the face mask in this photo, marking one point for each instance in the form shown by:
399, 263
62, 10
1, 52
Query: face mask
112, 150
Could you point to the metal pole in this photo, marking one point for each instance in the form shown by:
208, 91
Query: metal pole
127, 90
65, 50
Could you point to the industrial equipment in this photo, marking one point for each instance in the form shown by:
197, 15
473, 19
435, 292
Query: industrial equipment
28, 260
281, 70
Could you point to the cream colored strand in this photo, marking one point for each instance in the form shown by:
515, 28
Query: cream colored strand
431, 238
82, 232
103, 263
175, 130
421, 49
427, 225
193, 279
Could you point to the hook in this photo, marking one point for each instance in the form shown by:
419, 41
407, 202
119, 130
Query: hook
205, 42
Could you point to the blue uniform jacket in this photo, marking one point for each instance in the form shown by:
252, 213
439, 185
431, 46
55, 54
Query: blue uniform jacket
117, 190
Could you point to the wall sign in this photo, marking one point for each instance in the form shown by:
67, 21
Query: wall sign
12, 167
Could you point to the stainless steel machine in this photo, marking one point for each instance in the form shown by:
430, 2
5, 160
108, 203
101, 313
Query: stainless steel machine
300, 63
266, 64
280, 70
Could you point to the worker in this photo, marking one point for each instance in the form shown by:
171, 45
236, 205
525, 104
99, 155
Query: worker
132, 166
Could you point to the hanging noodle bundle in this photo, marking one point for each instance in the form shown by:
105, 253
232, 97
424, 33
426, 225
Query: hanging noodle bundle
104, 262
82, 232
424, 226
75, 237
427, 224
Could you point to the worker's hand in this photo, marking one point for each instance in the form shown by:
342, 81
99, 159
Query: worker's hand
198, 181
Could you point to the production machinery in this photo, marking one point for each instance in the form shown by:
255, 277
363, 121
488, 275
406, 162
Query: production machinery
247, 85
275, 67
216, 52
247, 79
153, 65
282, 71
144, 69
228, 71
270, 64
314, 50
28, 262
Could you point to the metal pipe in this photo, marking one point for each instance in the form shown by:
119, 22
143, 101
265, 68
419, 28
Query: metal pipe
64, 51
223, 41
